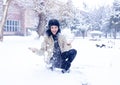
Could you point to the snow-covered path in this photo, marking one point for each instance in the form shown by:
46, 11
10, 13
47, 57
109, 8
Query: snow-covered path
94, 66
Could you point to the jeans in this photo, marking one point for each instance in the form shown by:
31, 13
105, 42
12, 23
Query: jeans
67, 58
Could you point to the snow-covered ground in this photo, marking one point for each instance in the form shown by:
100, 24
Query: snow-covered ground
92, 65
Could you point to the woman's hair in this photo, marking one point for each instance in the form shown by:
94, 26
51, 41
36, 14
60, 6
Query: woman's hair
51, 23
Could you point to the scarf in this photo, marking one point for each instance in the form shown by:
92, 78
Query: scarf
56, 53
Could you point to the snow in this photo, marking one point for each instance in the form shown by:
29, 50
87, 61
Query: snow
92, 65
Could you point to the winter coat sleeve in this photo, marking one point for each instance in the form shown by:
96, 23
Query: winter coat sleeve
42, 49
45, 50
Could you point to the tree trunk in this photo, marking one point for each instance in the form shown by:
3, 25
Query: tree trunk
2, 22
115, 31
41, 24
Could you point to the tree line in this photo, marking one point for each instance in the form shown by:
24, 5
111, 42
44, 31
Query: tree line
80, 21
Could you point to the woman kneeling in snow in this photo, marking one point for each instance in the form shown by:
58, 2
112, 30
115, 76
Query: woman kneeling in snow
59, 52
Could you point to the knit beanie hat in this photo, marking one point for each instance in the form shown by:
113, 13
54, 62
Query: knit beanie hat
53, 22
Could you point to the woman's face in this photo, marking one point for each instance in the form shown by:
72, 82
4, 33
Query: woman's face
54, 29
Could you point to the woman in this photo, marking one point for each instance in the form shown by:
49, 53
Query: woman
57, 51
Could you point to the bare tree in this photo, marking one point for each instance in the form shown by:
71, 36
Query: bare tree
45, 10
41, 24
5, 10
39, 8
66, 13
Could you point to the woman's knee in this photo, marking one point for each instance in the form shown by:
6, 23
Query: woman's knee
73, 52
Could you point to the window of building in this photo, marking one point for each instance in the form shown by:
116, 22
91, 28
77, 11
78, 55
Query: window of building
12, 26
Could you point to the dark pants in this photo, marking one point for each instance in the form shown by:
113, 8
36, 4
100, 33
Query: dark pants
67, 58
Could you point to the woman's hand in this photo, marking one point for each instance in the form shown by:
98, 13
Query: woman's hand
33, 49
70, 40
68, 44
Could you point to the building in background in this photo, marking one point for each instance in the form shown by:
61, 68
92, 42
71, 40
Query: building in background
18, 20
15, 21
